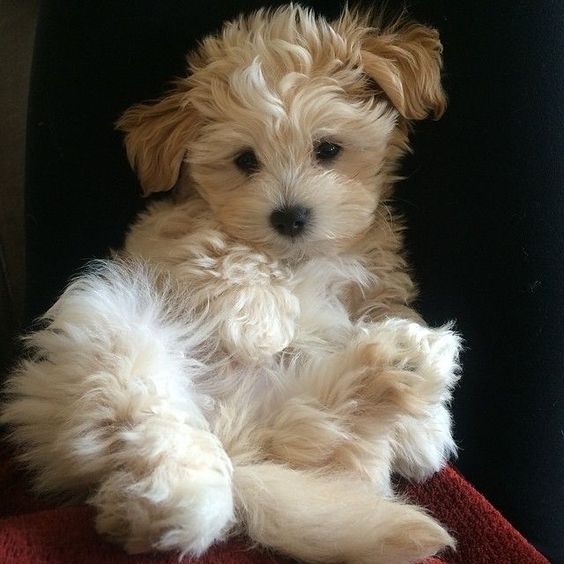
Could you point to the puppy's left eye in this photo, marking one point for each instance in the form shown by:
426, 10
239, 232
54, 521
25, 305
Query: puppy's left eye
247, 162
326, 151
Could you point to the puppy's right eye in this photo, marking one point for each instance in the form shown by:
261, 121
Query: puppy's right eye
325, 151
247, 162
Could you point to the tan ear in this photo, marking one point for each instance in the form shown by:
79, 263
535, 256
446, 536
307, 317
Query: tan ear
156, 139
406, 63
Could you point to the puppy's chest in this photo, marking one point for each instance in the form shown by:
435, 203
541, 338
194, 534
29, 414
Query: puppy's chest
324, 289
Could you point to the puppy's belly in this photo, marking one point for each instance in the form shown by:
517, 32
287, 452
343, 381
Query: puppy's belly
324, 327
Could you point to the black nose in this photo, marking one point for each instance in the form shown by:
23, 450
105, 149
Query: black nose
290, 221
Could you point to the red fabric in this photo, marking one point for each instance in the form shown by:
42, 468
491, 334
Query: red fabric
37, 532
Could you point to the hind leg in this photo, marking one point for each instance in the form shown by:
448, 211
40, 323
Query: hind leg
105, 403
332, 518
365, 408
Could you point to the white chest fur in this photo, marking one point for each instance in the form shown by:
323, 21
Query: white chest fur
322, 286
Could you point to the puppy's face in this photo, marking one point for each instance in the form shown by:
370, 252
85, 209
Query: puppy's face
290, 127
287, 160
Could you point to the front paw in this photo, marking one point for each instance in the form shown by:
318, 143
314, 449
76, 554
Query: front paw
423, 443
431, 354
256, 322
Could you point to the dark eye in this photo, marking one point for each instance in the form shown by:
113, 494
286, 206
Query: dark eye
326, 151
247, 162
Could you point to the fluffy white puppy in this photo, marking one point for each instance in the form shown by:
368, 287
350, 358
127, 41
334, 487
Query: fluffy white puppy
250, 362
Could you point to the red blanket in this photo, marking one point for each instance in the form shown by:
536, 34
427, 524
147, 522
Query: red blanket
35, 532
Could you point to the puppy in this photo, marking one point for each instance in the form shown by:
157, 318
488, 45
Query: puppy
250, 362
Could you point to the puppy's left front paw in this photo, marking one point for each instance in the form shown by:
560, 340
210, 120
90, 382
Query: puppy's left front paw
423, 442
430, 353
257, 322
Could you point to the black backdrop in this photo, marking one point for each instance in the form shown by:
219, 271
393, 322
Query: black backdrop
483, 196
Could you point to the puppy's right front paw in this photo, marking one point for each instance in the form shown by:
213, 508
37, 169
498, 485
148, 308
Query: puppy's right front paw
256, 322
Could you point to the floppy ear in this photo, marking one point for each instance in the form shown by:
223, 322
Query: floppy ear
156, 139
406, 64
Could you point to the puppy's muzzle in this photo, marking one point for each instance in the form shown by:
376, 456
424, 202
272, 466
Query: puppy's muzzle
290, 221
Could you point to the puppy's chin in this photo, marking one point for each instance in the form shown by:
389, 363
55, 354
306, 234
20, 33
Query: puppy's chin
317, 249
296, 249
304, 247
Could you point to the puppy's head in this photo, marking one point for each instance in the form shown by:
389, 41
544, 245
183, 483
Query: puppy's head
290, 126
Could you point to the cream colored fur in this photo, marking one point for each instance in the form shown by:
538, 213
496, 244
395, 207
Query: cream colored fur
216, 376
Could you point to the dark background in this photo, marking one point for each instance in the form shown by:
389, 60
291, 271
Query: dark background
483, 197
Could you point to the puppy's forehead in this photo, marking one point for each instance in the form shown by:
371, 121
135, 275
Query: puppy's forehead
267, 61
290, 38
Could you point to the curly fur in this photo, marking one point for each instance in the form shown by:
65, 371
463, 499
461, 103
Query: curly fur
216, 376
